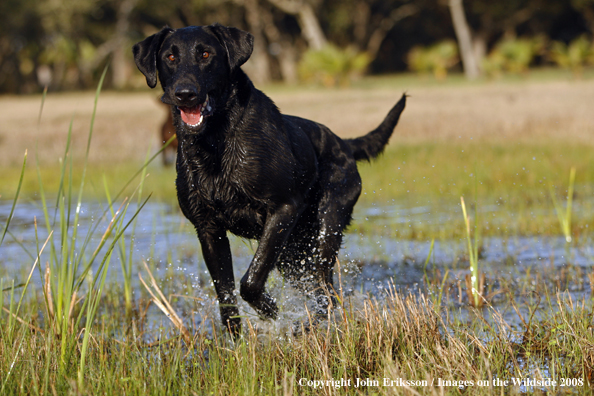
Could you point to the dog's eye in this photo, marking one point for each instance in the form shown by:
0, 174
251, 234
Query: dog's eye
205, 55
171, 58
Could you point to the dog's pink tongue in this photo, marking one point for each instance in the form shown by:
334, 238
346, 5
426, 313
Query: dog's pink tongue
191, 115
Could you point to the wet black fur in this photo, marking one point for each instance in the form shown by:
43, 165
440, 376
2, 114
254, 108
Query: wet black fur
286, 181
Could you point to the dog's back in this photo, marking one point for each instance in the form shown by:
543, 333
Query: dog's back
365, 147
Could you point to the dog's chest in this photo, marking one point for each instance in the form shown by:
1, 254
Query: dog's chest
222, 192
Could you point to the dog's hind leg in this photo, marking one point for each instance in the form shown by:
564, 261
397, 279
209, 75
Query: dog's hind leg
298, 260
335, 208
329, 242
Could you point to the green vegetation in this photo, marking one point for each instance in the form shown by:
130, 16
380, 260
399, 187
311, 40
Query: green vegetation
332, 66
574, 56
71, 43
436, 59
513, 177
76, 331
564, 216
400, 336
513, 55
508, 56
475, 281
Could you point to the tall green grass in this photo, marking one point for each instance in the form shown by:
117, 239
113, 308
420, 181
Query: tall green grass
14, 201
475, 289
126, 254
564, 215
77, 264
72, 264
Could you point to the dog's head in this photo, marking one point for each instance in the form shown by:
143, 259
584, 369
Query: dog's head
194, 65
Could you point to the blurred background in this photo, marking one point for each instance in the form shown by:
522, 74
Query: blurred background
65, 44
507, 82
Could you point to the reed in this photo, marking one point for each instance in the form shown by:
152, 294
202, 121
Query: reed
476, 280
564, 214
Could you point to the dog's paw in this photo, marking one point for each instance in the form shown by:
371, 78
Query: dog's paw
265, 306
303, 327
325, 303
230, 318
233, 326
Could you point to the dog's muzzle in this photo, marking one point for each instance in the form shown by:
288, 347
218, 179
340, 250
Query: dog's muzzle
194, 116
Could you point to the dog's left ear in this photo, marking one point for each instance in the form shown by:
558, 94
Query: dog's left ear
145, 55
238, 43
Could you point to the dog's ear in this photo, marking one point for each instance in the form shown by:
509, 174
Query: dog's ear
238, 43
145, 55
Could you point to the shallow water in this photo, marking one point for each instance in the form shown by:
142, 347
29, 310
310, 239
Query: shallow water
369, 262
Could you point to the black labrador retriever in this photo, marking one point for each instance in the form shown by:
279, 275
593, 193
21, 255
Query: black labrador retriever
244, 167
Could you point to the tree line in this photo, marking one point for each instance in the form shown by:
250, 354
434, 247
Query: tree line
66, 44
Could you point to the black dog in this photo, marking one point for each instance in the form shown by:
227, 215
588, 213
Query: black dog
244, 167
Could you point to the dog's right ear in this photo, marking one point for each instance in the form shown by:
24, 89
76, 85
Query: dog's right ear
238, 44
145, 55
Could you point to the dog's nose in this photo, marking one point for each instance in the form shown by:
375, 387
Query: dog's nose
186, 95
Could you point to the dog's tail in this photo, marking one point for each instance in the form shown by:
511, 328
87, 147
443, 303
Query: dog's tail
371, 145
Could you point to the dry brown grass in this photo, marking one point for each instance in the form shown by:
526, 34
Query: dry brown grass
127, 123
486, 111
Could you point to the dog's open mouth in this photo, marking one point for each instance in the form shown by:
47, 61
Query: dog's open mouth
194, 116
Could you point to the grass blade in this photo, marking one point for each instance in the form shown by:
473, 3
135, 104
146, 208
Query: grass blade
472, 256
16, 197
564, 216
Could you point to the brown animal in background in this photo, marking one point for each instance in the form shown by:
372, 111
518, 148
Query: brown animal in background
167, 132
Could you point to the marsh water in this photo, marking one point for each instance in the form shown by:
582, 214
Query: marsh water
370, 262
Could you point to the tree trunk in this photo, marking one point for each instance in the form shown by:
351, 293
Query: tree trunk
120, 64
259, 66
287, 60
308, 22
464, 36
312, 31
116, 46
479, 45
120, 68
281, 47
361, 22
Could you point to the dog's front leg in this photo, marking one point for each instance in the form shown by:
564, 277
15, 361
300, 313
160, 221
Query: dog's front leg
277, 228
217, 255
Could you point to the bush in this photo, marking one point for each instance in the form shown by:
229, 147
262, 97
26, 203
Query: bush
436, 59
332, 66
574, 56
513, 55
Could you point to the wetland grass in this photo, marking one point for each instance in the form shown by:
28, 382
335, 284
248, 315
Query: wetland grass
476, 280
397, 344
69, 335
564, 216
73, 279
